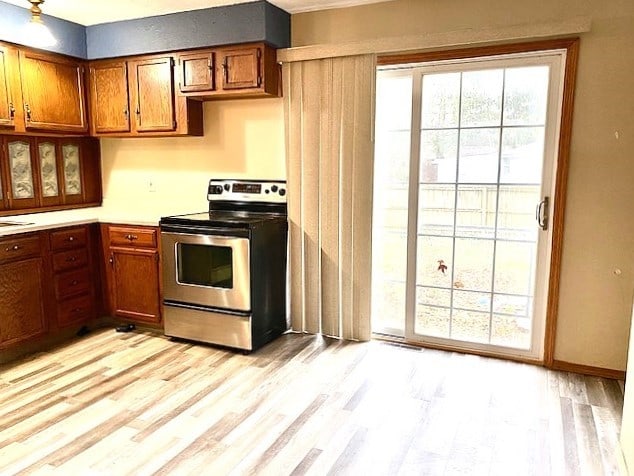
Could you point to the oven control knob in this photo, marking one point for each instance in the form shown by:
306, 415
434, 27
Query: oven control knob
274, 188
282, 191
227, 187
215, 189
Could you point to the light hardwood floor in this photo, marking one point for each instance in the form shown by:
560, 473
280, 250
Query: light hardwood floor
138, 403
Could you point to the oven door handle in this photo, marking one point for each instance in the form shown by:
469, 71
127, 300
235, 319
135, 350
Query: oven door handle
200, 230
232, 312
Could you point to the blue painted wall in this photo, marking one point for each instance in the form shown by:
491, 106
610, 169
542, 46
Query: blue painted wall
241, 23
278, 26
71, 37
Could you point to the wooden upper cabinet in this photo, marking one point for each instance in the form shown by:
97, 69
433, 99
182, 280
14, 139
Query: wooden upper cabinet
196, 72
240, 68
49, 172
91, 170
80, 171
53, 92
72, 170
238, 71
48, 168
136, 97
152, 94
20, 170
109, 101
7, 104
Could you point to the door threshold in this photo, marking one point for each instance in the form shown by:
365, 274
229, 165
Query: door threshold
448, 348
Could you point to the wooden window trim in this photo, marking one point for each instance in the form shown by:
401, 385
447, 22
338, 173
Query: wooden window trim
571, 45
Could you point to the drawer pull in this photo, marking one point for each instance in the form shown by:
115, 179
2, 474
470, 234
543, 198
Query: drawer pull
74, 282
76, 310
72, 259
130, 237
71, 238
13, 248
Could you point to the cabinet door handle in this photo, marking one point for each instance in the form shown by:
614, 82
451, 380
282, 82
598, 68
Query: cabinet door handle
12, 248
71, 238
125, 112
11, 111
74, 282
72, 259
111, 260
131, 237
28, 112
76, 310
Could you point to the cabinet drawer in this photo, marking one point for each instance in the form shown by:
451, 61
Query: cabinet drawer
72, 282
76, 309
18, 248
70, 259
68, 238
132, 237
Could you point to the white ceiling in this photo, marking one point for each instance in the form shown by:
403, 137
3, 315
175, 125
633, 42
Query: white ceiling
92, 12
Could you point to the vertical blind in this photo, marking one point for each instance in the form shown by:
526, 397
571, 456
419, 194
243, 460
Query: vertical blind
329, 124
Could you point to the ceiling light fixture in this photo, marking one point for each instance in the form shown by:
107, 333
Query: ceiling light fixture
36, 33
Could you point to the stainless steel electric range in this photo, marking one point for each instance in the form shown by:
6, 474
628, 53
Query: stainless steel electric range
224, 270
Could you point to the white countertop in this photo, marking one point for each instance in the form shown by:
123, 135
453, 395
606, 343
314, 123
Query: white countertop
79, 216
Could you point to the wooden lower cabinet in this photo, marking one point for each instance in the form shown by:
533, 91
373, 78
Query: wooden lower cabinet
48, 283
135, 284
22, 315
132, 272
73, 275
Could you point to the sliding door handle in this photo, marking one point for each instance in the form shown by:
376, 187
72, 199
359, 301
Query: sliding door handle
541, 213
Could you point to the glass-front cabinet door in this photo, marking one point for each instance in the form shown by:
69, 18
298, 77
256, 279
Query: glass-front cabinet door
71, 172
3, 195
22, 185
48, 165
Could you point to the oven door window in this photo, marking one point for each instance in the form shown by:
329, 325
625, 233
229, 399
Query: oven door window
205, 265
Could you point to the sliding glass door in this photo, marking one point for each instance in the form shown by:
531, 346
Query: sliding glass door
464, 171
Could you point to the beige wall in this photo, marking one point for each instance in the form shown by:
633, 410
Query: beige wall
243, 139
594, 308
627, 427
246, 139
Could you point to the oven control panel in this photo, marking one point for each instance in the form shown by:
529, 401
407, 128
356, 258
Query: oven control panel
272, 191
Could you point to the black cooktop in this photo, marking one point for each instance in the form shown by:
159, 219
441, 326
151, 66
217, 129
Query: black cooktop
224, 219
237, 204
